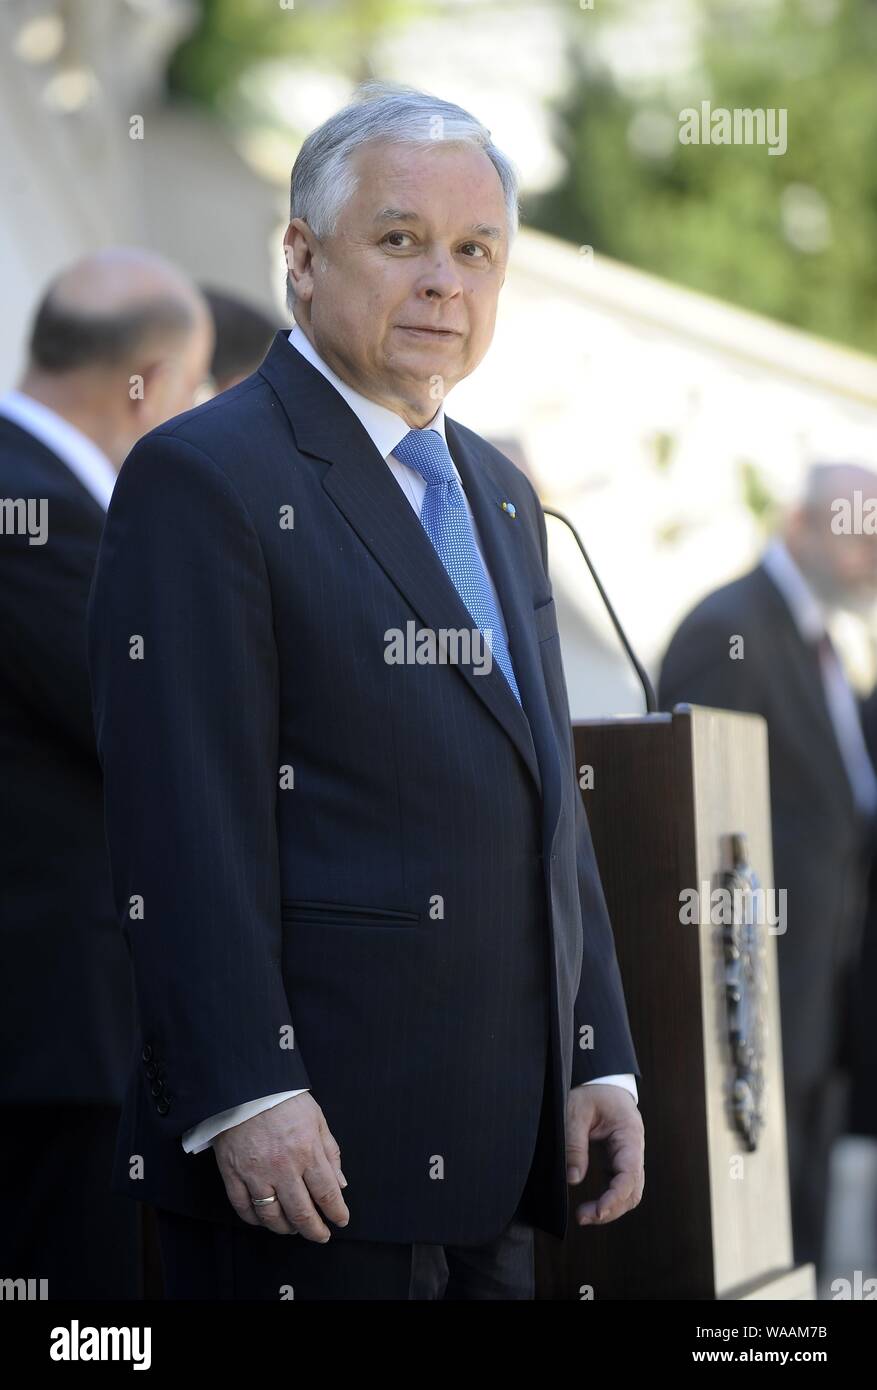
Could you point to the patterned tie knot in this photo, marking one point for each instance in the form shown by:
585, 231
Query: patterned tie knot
427, 452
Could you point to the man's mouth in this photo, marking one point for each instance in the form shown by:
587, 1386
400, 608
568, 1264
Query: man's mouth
429, 332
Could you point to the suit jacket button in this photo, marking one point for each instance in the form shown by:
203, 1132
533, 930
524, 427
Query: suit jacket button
146, 1054
162, 1106
151, 1070
157, 1089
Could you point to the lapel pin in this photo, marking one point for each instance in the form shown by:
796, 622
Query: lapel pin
510, 508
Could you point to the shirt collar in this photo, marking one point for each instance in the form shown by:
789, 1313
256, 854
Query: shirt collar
384, 427
806, 609
81, 455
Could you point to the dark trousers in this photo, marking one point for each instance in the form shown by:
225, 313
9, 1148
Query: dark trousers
58, 1219
203, 1260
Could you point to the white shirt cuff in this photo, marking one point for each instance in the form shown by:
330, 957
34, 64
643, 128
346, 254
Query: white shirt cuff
203, 1134
625, 1079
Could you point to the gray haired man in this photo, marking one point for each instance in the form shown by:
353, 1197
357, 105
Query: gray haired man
380, 980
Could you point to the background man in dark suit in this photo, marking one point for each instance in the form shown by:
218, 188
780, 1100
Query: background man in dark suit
119, 342
822, 785
369, 940
243, 336
862, 1034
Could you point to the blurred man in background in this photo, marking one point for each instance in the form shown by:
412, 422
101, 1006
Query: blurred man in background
863, 1036
120, 342
243, 336
822, 783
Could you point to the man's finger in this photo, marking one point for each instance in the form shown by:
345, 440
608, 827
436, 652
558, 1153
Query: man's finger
239, 1195
272, 1216
322, 1183
300, 1211
333, 1154
624, 1190
614, 1202
578, 1154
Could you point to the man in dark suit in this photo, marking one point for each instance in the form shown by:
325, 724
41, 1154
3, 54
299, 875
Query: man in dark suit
760, 644
862, 1035
118, 343
243, 335
372, 957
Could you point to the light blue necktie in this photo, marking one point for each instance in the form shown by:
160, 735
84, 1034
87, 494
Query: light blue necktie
445, 519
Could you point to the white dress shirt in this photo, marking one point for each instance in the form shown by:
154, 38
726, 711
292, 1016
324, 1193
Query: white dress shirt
386, 429
810, 619
81, 455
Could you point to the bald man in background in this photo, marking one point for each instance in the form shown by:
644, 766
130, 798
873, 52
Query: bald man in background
120, 343
823, 788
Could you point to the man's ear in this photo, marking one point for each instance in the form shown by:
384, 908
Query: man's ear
298, 252
148, 387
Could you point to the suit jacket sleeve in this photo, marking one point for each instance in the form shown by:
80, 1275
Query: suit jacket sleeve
187, 732
599, 1002
698, 668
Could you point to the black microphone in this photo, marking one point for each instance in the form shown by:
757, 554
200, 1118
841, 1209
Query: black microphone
648, 689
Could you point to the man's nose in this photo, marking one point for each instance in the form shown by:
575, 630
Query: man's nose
442, 278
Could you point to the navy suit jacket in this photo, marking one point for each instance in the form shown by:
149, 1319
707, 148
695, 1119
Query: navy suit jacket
66, 1002
373, 880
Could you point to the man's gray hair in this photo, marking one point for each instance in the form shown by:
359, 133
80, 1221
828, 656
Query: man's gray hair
322, 181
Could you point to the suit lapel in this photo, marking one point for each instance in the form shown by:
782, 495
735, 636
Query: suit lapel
502, 541
362, 487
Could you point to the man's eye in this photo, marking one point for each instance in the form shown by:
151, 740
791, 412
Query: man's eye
389, 234
478, 248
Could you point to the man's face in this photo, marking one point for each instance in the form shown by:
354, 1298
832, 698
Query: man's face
841, 568
401, 300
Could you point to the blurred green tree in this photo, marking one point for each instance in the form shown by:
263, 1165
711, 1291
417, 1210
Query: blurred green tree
789, 235
233, 36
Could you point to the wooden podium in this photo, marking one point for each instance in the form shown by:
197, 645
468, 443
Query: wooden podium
669, 797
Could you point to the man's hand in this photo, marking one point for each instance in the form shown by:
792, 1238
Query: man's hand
287, 1150
606, 1113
